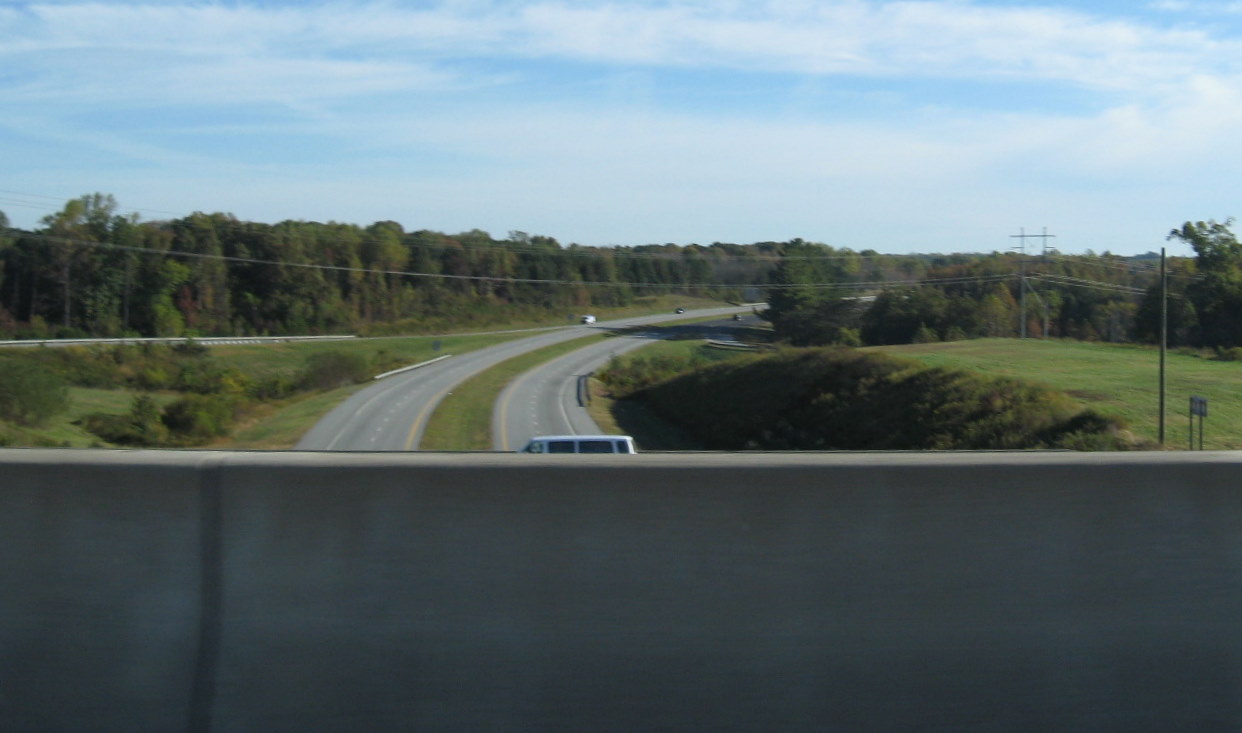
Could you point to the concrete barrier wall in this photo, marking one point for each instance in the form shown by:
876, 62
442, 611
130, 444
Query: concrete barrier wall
147, 591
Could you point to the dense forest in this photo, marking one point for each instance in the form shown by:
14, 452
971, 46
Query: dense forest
92, 271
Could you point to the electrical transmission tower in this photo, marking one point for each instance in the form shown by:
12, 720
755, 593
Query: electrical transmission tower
1022, 236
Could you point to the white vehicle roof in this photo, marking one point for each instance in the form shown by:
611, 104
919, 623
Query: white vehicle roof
581, 437
625, 442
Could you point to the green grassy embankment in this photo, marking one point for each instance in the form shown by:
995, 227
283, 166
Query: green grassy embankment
1118, 380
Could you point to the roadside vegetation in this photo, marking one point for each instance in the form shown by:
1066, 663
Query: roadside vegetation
246, 396
846, 399
189, 395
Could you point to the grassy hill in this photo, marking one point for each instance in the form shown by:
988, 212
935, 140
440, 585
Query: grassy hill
1115, 379
835, 398
1119, 381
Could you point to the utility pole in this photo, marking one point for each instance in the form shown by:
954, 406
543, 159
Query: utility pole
1022, 236
1164, 336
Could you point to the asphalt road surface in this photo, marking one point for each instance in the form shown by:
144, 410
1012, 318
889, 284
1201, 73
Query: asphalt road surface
548, 400
392, 414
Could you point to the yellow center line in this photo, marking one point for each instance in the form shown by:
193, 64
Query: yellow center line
422, 415
504, 410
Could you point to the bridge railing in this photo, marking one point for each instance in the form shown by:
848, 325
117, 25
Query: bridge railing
152, 591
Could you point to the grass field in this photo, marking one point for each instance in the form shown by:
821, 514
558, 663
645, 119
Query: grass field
1118, 380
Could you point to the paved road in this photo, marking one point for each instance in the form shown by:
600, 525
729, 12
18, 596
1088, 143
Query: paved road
392, 414
547, 399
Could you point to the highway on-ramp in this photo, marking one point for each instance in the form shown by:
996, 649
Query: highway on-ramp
392, 414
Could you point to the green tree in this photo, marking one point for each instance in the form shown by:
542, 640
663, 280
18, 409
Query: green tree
1182, 321
167, 319
1217, 294
83, 220
806, 303
898, 316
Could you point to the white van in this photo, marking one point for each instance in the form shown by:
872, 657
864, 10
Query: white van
588, 319
580, 444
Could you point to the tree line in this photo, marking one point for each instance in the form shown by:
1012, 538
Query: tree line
89, 270
92, 271
818, 300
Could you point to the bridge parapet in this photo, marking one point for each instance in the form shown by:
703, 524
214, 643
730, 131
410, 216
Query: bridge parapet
212, 591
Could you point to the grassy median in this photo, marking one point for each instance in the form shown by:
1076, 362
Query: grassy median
463, 420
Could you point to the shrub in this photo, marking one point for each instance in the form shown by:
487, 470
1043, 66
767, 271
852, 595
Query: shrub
198, 418
151, 378
271, 388
29, 395
141, 426
848, 337
1232, 353
332, 369
203, 376
925, 335
189, 347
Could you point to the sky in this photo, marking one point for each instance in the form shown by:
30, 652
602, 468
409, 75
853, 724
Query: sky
900, 127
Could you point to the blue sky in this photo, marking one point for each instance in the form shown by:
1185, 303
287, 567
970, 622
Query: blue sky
931, 126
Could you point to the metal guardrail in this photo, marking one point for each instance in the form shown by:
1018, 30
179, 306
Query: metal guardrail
731, 345
205, 340
584, 389
410, 367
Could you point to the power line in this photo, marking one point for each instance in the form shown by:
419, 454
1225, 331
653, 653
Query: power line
399, 273
857, 285
875, 284
1081, 283
56, 203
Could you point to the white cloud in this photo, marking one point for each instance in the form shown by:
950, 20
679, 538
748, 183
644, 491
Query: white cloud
918, 39
461, 111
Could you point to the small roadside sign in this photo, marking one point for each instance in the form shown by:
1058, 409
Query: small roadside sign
1199, 409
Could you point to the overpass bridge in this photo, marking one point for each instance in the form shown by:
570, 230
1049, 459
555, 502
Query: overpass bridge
205, 591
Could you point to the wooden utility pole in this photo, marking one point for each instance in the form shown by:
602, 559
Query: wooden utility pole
1164, 338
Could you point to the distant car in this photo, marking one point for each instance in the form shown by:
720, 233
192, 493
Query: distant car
588, 319
681, 310
737, 316
580, 444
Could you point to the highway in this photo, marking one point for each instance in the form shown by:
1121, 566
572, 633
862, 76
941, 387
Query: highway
392, 414
547, 400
